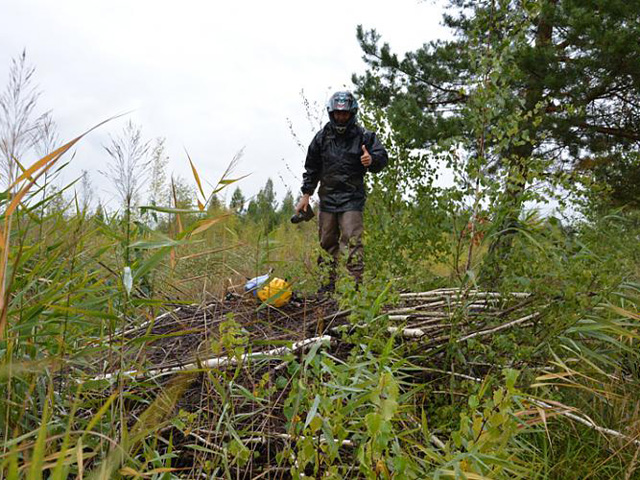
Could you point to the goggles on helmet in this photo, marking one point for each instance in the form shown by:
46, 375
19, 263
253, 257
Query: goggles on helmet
342, 101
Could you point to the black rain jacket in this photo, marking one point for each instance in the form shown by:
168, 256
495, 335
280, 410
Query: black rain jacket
334, 160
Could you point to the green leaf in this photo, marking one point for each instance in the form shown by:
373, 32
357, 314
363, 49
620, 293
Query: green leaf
373, 421
315, 424
388, 408
281, 382
154, 208
312, 411
160, 243
511, 376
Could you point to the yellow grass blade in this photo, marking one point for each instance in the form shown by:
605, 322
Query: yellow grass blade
625, 313
172, 258
469, 475
4, 259
44, 161
80, 459
130, 472
196, 176
543, 417
225, 182
57, 153
206, 224
553, 376
103, 409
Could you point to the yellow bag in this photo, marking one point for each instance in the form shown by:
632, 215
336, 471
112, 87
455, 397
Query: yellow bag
277, 293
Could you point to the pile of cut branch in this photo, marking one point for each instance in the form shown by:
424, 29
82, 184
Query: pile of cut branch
440, 316
230, 349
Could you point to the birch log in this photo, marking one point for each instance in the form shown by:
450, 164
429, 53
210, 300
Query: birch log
215, 362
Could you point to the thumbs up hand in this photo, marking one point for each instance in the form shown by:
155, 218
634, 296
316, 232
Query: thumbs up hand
365, 159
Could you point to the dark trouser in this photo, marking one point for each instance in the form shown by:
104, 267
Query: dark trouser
341, 233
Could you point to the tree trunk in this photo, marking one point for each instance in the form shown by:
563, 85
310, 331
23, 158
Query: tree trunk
510, 206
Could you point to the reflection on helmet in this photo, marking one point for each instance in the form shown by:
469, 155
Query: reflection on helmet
343, 102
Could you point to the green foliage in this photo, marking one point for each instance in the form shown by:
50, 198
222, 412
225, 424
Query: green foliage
414, 233
484, 443
237, 201
522, 91
287, 207
263, 209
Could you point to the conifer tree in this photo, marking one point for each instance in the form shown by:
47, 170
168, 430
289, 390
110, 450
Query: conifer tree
237, 201
287, 207
571, 77
264, 208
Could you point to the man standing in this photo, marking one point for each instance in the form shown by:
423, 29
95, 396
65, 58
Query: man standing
339, 156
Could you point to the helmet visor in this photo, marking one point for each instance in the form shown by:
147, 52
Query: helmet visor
342, 101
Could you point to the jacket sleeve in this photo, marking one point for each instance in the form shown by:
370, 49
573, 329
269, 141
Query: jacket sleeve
379, 157
312, 166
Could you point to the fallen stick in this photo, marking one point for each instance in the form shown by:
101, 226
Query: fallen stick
416, 307
154, 320
334, 316
198, 306
424, 323
147, 323
434, 294
206, 442
345, 443
469, 293
500, 327
409, 332
585, 421
483, 306
480, 303
418, 316
482, 333
214, 362
286, 436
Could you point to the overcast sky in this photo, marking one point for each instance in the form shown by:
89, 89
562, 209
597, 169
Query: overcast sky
211, 77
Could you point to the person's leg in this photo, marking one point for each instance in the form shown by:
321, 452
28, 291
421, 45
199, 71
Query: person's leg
351, 228
329, 235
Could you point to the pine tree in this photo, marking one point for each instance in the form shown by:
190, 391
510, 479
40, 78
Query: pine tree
237, 201
214, 205
569, 74
264, 208
287, 207
99, 213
